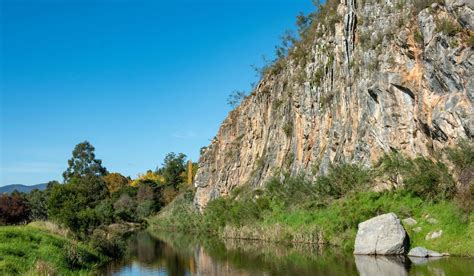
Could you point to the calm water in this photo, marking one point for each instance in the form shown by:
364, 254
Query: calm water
173, 254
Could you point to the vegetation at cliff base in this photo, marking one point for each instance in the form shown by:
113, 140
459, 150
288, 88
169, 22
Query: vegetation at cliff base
327, 209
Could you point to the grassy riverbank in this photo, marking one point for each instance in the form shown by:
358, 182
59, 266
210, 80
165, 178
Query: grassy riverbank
334, 224
328, 209
30, 250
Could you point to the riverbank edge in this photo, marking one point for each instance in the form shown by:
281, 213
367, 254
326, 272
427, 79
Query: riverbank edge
34, 250
304, 226
72, 256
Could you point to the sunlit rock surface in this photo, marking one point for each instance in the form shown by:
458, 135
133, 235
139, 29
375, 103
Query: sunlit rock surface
383, 80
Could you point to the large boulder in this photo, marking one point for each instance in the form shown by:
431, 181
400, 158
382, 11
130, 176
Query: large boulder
382, 235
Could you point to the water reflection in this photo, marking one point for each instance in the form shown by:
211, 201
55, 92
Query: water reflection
382, 265
174, 254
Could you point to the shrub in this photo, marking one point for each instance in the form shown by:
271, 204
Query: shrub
462, 156
343, 179
423, 177
145, 208
418, 36
105, 212
113, 246
447, 27
115, 181
125, 208
288, 129
77, 257
430, 180
13, 209
419, 5
37, 204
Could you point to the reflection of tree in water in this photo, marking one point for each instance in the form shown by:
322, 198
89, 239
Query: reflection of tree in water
153, 253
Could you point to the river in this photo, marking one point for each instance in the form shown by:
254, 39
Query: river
151, 253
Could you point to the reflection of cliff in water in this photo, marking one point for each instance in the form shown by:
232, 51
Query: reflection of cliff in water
175, 254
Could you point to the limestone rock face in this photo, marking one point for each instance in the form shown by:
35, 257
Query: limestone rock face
375, 79
382, 235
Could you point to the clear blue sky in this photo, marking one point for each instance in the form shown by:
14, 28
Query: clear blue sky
138, 79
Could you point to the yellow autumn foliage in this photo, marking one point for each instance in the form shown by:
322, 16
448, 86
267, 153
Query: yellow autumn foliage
148, 176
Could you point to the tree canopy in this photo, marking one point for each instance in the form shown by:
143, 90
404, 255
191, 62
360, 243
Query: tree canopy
83, 163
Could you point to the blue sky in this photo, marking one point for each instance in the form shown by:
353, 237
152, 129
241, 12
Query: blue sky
138, 79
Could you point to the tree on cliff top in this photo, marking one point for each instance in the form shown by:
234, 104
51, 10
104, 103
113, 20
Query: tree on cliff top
83, 163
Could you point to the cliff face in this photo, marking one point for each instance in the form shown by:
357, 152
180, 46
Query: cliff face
373, 77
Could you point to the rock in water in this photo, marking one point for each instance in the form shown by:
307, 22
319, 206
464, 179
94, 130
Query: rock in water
382, 235
423, 253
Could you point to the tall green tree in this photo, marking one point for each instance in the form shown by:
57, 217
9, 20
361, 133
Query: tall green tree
83, 163
174, 168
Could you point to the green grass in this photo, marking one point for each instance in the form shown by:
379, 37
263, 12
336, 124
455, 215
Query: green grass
27, 250
336, 222
327, 210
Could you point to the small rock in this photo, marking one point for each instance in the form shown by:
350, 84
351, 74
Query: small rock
432, 221
410, 221
417, 229
434, 235
434, 6
423, 253
381, 235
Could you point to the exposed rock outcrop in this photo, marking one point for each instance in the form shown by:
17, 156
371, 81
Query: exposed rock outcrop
381, 235
373, 78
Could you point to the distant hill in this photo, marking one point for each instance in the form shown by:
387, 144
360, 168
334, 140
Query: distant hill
21, 188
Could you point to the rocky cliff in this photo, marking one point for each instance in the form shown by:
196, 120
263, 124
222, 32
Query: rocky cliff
367, 77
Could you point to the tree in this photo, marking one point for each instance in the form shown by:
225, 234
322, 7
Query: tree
115, 181
83, 163
13, 209
174, 168
37, 202
72, 204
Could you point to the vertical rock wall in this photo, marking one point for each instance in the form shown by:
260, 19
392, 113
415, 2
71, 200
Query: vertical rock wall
382, 79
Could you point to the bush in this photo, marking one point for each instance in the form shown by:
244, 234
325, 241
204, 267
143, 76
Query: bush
462, 156
77, 257
37, 202
113, 246
447, 27
146, 208
420, 5
342, 180
421, 176
13, 209
105, 212
125, 208
430, 180
290, 192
